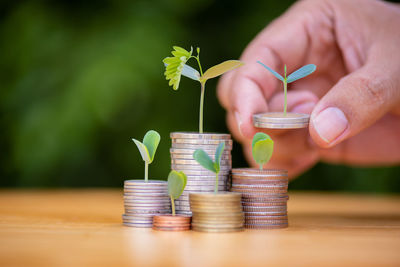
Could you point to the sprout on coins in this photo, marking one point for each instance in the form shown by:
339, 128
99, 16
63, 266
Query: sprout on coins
176, 66
176, 184
148, 149
294, 76
262, 148
215, 166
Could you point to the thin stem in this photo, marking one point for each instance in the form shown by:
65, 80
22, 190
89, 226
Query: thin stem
261, 167
201, 107
172, 205
216, 183
146, 172
285, 93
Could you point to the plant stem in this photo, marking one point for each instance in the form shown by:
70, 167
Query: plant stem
173, 205
285, 93
216, 183
146, 172
261, 167
201, 107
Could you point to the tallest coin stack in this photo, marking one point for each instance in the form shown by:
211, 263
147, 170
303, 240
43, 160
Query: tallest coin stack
198, 178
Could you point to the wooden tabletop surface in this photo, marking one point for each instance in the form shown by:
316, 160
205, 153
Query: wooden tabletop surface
83, 228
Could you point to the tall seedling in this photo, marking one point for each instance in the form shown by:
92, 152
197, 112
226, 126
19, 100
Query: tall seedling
176, 66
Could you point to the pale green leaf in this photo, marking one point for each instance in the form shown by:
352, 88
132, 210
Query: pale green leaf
187, 71
301, 73
262, 148
220, 69
204, 160
176, 183
151, 141
143, 150
277, 75
174, 65
218, 155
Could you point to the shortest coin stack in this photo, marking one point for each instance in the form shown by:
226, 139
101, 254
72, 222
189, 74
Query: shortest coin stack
279, 120
171, 223
220, 212
143, 200
264, 197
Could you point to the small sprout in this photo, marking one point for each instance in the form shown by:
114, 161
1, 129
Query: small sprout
176, 66
176, 184
148, 149
204, 160
262, 148
298, 74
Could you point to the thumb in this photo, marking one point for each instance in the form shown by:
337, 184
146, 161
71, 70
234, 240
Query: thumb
353, 104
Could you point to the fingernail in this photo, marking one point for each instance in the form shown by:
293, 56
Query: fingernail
330, 124
306, 107
238, 121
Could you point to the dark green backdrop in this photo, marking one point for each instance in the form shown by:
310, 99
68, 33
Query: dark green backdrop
79, 79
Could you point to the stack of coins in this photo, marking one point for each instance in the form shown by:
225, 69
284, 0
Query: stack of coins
198, 178
278, 120
264, 197
220, 212
171, 223
143, 200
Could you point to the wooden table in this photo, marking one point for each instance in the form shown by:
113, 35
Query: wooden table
83, 228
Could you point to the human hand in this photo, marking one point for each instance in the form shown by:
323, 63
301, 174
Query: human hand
353, 97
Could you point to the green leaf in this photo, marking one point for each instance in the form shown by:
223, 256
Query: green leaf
151, 141
143, 150
204, 160
262, 148
218, 155
176, 183
189, 72
277, 75
174, 65
301, 73
220, 69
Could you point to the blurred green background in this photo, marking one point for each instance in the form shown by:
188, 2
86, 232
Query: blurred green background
79, 79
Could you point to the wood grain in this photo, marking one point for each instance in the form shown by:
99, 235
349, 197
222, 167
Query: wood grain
83, 228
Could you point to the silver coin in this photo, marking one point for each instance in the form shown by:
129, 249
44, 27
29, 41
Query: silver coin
149, 183
194, 162
152, 206
204, 147
259, 186
200, 183
189, 156
184, 208
205, 178
194, 135
147, 200
277, 120
146, 196
205, 172
196, 167
200, 141
136, 212
189, 151
183, 212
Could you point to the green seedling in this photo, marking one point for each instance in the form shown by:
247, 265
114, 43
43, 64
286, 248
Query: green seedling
176, 66
215, 166
148, 149
294, 76
262, 148
176, 184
